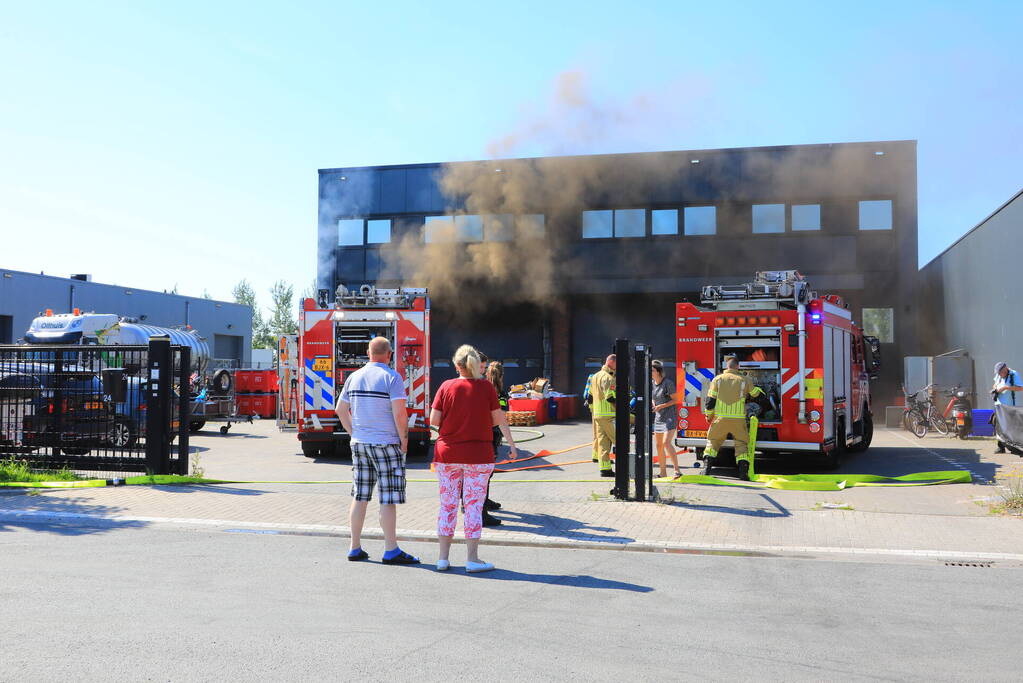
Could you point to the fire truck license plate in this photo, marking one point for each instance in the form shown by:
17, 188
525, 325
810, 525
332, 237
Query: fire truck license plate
696, 433
321, 365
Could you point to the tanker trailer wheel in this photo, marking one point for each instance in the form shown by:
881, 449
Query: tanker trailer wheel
222, 382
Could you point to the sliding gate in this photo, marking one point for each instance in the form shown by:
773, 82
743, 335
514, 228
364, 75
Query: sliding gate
109, 409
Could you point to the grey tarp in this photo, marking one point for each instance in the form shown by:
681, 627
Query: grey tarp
1009, 424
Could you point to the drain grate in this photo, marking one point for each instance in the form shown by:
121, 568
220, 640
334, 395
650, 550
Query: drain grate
955, 563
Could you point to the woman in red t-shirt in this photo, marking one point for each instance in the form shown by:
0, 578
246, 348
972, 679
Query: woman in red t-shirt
464, 411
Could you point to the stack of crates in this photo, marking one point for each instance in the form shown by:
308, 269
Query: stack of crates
256, 392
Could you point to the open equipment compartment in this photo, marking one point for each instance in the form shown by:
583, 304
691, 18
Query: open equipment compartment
758, 351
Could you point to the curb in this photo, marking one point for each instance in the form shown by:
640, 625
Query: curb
718, 549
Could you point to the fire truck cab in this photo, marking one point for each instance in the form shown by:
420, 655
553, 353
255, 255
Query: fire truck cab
332, 343
812, 362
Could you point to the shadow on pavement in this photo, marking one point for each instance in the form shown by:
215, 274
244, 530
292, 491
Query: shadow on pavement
208, 488
575, 581
778, 512
558, 527
62, 516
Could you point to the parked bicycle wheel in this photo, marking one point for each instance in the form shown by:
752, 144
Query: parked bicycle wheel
936, 420
915, 422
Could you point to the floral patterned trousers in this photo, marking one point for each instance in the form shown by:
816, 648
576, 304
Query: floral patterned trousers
467, 483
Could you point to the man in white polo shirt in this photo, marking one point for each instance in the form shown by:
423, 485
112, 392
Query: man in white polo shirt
372, 409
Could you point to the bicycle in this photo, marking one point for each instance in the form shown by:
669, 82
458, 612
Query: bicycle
914, 415
935, 418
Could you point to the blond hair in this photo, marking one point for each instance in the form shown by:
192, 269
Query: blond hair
468, 358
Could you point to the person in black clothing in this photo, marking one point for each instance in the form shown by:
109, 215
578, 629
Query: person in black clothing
495, 373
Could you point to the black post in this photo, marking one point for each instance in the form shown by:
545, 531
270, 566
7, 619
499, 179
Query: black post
59, 381
160, 373
184, 406
644, 459
622, 426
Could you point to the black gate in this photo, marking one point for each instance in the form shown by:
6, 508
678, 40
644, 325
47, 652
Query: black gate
110, 409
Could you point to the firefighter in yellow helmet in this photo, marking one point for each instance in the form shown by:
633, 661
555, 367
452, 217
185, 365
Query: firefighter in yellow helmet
602, 393
726, 410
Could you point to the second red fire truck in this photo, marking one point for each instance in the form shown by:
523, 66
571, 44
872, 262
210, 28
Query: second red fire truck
332, 343
813, 363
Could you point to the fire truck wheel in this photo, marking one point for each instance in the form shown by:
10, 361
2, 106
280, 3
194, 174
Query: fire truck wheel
310, 449
196, 425
833, 458
343, 449
71, 451
866, 430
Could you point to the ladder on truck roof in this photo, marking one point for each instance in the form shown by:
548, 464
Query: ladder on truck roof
369, 296
781, 287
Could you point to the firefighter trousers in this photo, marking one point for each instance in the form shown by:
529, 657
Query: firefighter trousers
719, 431
603, 438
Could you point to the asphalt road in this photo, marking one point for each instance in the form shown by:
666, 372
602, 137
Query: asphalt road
81, 603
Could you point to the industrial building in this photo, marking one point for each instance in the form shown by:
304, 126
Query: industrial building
542, 263
226, 326
969, 298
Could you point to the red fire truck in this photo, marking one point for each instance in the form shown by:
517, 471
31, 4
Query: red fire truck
813, 363
332, 343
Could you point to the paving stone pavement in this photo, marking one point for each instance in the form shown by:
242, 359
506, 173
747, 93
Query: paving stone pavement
570, 506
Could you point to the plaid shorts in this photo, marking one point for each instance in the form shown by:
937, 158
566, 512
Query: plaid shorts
373, 461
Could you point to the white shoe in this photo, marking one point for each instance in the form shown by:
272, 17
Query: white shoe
476, 567
443, 565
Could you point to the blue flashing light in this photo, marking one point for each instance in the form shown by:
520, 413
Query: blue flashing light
815, 318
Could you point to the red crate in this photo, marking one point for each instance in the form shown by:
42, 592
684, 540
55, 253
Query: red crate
255, 381
264, 405
243, 404
538, 406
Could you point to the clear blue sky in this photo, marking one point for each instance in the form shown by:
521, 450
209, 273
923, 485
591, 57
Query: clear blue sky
152, 144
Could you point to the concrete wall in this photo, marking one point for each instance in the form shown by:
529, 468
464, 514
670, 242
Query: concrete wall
973, 295
23, 296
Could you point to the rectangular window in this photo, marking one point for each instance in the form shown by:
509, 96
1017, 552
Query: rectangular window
438, 229
378, 231
597, 224
806, 216
664, 222
499, 227
531, 226
350, 232
880, 323
468, 228
700, 220
876, 215
768, 218
630, 222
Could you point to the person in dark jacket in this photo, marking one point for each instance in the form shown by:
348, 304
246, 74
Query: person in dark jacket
495, 373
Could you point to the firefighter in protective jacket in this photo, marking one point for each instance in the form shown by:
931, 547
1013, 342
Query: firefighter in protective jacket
602, 393
726, 407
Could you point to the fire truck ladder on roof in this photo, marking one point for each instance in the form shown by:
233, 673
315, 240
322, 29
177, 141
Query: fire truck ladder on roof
784, 287
369, 296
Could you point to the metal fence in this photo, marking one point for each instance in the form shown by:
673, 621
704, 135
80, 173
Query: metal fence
109, 409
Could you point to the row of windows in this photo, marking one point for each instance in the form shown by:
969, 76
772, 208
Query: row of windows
609, 223
702, 220
503, 227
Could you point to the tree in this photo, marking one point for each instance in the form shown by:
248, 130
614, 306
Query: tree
245, 295
282, 320
309, 292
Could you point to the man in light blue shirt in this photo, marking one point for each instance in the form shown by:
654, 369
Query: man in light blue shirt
1005, 387
372, 409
